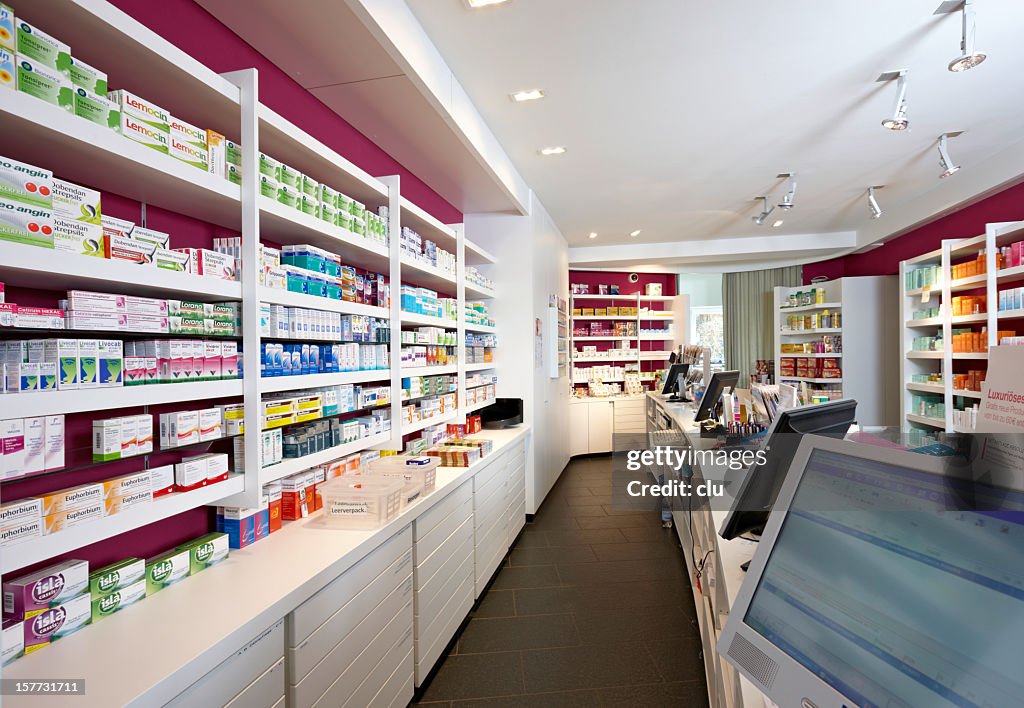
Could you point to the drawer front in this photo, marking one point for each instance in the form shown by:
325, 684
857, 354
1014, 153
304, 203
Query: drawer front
440, 511
431, 597
311, 651
488, 472
428, 652
426, 544
516, 522
355, 673
487, 509
265, 691
429, 626
396, 666
233, 675
304, 620
487, 564
426, 571
398, 691
335, 666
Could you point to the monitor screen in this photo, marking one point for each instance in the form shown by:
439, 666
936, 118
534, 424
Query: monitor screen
757, 493
675, 372
720, 380
881, 590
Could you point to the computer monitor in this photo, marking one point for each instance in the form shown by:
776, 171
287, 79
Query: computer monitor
760, 487
720, 380
676, 372
875, 585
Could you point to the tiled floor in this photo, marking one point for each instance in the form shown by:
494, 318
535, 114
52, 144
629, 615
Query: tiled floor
593, 608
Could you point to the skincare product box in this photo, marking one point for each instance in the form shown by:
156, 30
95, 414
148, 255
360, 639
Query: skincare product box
33, 593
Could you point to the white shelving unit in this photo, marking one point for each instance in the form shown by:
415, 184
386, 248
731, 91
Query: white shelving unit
864, 360
644, 318
939, 364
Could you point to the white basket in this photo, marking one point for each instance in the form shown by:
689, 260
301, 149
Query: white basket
360, 503
419, 474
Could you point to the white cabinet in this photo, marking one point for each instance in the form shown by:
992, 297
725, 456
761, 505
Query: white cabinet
593, 422
579, 428
629, 415
600, 426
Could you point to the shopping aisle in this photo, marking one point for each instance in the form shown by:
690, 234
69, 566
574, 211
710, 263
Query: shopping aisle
593, 608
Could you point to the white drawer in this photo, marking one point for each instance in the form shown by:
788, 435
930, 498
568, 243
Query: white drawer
486, 509
234, 674
280, 703
339, 626
495, 525
337, 663
304, 620
453, 613
428, 543
398, 660
429, 599
399, 690
516, 522
429, 519
265, 691
352, 675
489, 471
487, 564
428, 626
426, 570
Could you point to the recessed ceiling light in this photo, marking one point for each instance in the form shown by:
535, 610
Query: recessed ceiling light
557, 150
777, 224
529, 95
635, 233
484, 3
593, 235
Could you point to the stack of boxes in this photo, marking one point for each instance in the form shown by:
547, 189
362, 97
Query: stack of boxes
278, 359
426, 251
29, 446
428, 408
424, 301
420, 386
45, 606
477, 314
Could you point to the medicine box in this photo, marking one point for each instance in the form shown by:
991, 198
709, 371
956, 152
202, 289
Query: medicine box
88, 363
80, 497
110, 363
19, 511
26, 223
210, 424
12, 638
116, 576
64, 520
215, 153
206, 551
57, 622
25, 183
8, 38
128, 249
78, 237
159, 239
233, 415
142, 121
21, 531
30, 594
105, 605
76, 203
162, 480
188, 144
115, 505
63, 353
96, 108
166, 569
127, 484
179, 428
239, 524
106, 440
190, 474
85, 76
40, 46
53, 453
44, 82
35, 444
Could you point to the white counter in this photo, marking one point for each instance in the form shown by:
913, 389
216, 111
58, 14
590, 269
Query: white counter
149, 652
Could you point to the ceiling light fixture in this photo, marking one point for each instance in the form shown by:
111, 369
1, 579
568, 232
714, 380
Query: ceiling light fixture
876, 211
484, 3
948, 168
897, 120
765, 211
548, 151
777, 224
634, 233
969, 58
593, 235
787, 200
528, 95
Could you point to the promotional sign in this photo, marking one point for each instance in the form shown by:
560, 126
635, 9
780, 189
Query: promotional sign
1002, 394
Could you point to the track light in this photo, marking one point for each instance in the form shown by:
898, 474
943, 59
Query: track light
897, 120
876, 211
787, 200
549, 151
969, 58
765, 212
948, 168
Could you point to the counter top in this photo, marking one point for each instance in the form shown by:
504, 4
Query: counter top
148, 653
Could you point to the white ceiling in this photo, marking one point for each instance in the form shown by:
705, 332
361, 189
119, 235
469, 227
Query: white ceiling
676, 114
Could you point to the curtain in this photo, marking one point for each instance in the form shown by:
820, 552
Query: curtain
747, 302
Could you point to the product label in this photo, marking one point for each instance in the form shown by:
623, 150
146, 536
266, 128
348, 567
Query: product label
45, 83
27, 224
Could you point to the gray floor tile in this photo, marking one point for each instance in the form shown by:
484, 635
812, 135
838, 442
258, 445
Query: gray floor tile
635, 551
531, 576
648, 533
590, 500
692, 694
497, 603
514, 633
577, 537
561, 699
477, 676
632, 624
532, 537
552, 555
621, 521
588, 574
678, 658
587, 667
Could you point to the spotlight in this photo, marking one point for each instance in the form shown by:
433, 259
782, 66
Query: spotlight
765, 212
556, 150
876, 211
777, 224
593, 235
969, 58
948, 168
897, 120
787, 200
634, 233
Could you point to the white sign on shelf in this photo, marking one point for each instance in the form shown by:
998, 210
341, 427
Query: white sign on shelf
1002, 394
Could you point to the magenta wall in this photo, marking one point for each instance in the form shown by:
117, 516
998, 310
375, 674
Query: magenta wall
1007, 205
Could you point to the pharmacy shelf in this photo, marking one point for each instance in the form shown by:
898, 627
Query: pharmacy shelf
962, 430
799, 355
927, 322
926, 388
820, 330
83, 152
488, 383
283, 140
412, 318
480, 328
658, 298
604, 297
427, 276
472, 407
30, 405
599, 359
291, 466
655, 337
811, 308
423, 223
927, 420
935, 290
45, 547
1003, 314
654, 356
1009, 275
477, 255
479, 292
603, 339
966, 393
35, 332
807, 379
275, 384
482, 366
288, 298
617, 318
419, 425
410, 399
653, 316
968, 319
924, 355
970, 355
967, 247
587, 382
929, 257
429, 370
282, 224
23, 266
972, 283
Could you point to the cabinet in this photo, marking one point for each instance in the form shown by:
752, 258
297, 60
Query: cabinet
594, 421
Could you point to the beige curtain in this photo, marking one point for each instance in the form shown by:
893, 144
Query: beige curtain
747, 303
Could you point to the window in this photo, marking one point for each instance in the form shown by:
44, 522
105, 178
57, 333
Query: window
707, 328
